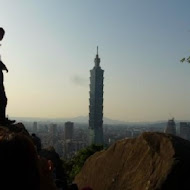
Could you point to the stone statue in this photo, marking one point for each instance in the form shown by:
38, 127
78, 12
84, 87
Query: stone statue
3, 99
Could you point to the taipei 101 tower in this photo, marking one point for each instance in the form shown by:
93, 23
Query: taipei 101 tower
96, 103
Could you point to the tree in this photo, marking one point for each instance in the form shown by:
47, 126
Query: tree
185, 60
75, 164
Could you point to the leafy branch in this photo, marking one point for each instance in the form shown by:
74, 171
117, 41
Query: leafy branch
185, 60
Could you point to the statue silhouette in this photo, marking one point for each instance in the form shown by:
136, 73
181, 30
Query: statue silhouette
3, 98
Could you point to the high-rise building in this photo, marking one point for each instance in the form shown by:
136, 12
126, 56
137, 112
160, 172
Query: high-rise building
35, 127
96, 103
69, 127
185, 130
53, 134
171, 127
53, 129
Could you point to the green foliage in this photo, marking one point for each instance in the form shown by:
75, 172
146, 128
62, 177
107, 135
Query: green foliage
185, 60
74, 165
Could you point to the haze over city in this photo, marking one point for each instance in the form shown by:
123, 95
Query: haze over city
49, 48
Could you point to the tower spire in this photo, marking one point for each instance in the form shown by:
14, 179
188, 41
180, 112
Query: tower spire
97, 59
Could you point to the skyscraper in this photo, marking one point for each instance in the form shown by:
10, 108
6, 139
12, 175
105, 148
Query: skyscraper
96, 103
53, 129
171, 127
185, 130
69, 127
35, 127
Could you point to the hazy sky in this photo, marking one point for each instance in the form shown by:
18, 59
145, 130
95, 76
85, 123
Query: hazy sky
50, 45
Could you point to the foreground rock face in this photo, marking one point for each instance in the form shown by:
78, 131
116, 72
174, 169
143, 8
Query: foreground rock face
50, 154
153, 161
17, 128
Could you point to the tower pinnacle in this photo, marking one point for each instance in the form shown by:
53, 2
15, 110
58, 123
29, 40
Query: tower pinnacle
97, 59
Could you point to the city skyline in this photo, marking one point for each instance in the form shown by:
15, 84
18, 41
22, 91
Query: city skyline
49, 49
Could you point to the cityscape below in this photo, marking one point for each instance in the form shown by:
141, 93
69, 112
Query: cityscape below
68, 138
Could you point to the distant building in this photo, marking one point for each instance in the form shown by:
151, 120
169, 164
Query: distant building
136, 133
96, 103
129, 133
171, 127
69, 128
72, 146
35, 127
45, 128
53, 129
185, 130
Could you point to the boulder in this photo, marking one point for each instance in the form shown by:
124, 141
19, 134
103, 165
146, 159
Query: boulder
153, 161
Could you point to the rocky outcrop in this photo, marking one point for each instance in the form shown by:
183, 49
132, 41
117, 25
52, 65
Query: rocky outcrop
17, 128
50, 154
153, 161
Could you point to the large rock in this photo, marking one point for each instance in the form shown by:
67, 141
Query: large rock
16, 128
153, 161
